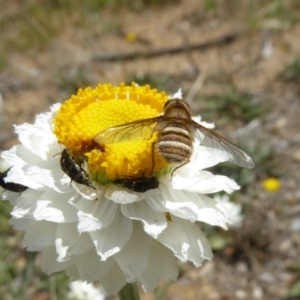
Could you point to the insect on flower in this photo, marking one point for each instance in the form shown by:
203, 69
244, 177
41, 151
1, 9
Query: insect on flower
141, 184
176, 133
11, 186
69, 165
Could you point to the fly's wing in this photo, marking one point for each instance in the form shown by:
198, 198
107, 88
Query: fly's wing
223, 147
137, 130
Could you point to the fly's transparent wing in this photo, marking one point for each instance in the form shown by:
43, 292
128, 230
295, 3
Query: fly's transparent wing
223, 147
137, 130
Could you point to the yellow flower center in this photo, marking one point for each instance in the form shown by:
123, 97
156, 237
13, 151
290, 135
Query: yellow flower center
84, 115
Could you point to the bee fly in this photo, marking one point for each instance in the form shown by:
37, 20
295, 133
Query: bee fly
11, 186
176, 133
140, 185
69, 165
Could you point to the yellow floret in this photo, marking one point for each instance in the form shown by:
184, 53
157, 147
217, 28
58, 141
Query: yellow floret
91, 111
271, 184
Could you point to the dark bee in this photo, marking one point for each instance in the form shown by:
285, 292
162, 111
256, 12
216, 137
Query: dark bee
140, 185
11, 186
69, 165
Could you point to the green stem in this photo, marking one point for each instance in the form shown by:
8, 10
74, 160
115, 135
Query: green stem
163, 291
129, 292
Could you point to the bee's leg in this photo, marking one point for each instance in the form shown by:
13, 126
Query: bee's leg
153, 162
56, 154
186, 162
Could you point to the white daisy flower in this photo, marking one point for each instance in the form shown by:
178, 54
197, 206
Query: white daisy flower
80, 290
97, 226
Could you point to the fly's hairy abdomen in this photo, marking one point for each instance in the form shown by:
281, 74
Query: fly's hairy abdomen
176, 143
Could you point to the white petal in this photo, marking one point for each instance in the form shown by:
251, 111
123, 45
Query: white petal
26, 204
69, 243
39, 235
112, 239
186, 241
205, 209
205, 183
48, 206
87, 192
206, 124
38, 137
177, 95
72, 272
198, 119
175, 202
121, 196
231, 210
12, 197
20, 176
49, 261
20, 224
55, 207
31, 171
162, 265
94, 215
154, 222
41, 176
202, 158
91, 268
60, 182
209, 211
54, 110
133, 258
203, 142
12, 157
198, 244
113, 281
49, 174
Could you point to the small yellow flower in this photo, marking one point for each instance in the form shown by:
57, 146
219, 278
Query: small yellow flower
91, 111
271, 184
131, 37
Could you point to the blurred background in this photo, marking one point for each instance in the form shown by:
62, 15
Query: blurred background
238, 64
